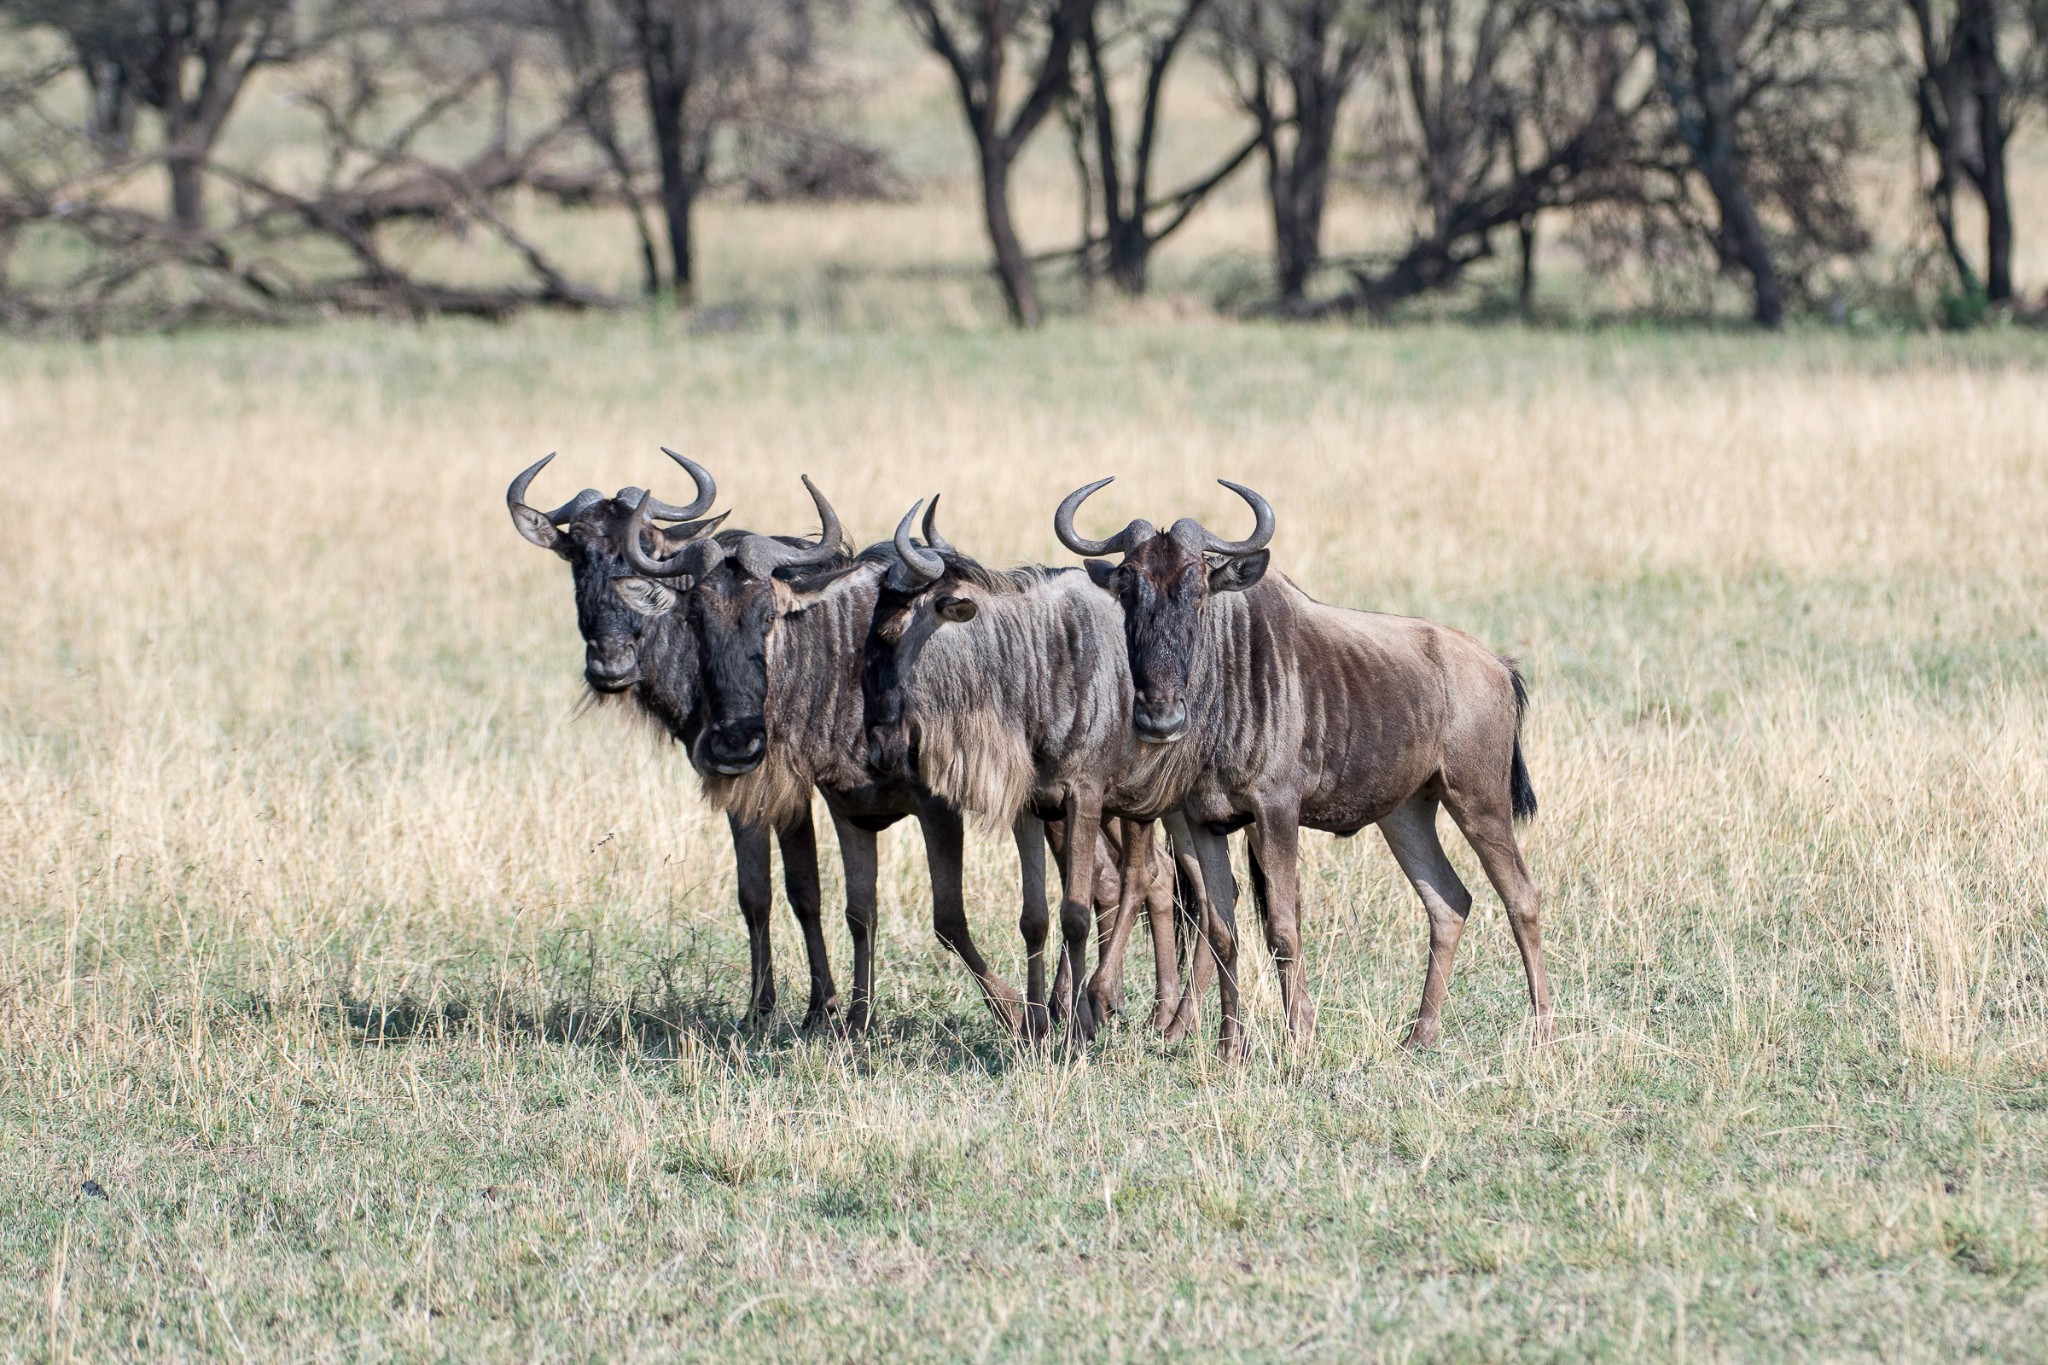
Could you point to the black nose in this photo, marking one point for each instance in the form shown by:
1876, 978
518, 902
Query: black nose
610, 668
738, 747
1159, 721
888, 753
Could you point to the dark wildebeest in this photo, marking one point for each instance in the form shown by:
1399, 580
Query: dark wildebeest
783, 712
654, 659
1010, 693
1302, 714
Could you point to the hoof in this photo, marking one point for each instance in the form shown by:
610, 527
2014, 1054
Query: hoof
1036, 1025
1103, 1007
1009, 1012
1081, 1027
1163, 1014
1232, 1045
1421, 1039
856, 1023
1184, 1021
1545, 1032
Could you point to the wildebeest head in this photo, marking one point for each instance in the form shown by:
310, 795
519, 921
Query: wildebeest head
737, 592
919, 576
1163, 582
614, 603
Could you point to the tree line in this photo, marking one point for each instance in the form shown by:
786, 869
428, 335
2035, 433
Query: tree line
1726, 132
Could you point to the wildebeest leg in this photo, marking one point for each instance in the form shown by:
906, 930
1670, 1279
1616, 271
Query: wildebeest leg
1220, 922
1487, 825
757, 896
799, 842
1106, 988
944, 848
1194, 908
1062, 979
1133, 880
857, 852
1084, 823
1411, 832
1033, 921
1276, 883
1160, 909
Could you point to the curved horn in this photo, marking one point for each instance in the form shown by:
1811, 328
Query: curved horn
763, 555
698, 557
921, 562
707, 492
537, 526
931, 528
1262, 530
1133, 535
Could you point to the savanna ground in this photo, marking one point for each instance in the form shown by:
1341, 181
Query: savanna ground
364, 995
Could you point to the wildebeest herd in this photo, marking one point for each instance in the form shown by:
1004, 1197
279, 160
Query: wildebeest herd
1177, 683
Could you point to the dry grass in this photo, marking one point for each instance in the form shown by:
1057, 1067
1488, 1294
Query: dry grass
388, 1002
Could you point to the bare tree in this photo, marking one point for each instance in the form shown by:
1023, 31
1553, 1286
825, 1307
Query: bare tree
978, 40
185, 60
1762, 100
1973, 63
705, 71
692, 54
1492, 113
1293, 64
1120, 177
594, 53
274, 248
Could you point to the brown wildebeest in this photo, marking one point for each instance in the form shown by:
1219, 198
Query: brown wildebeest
654, 659
1296, 713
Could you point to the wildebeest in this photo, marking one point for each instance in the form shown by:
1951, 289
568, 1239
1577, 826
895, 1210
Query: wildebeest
1133, 870
780, 633
653, 657
1296, 713
1014, 687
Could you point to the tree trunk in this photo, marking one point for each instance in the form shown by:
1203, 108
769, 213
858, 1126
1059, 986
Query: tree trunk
1298, 184
1706, 118
1998, 229
188, 189
1013, 267
1743, 238
1977, 39
1130, 254
1126, 243
1525, 280
678, 194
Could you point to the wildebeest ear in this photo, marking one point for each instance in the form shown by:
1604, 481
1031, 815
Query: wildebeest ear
646, 596
538, 529
1235, 575
1102, 571
956, 609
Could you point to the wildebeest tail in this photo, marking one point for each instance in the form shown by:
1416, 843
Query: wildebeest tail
1521, 794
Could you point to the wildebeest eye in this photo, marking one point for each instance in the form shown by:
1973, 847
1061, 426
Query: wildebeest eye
955, 609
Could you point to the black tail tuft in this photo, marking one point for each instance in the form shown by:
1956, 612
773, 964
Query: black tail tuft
1521, 795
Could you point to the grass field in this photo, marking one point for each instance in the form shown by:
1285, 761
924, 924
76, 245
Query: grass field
361, 999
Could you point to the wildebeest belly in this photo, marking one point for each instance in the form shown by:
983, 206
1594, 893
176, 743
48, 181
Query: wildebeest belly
1360, 762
